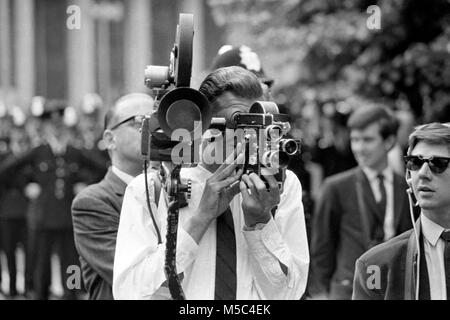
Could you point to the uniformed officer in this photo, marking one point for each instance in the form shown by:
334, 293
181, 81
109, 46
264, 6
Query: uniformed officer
56, 169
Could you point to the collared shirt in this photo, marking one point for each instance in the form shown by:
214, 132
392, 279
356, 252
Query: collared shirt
388, 175
125, 177
139, 260
434, 253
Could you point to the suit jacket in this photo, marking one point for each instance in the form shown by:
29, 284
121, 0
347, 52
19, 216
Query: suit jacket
396, 264
95, 215
343, 229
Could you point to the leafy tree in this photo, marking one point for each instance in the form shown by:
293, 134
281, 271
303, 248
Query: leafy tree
323, 50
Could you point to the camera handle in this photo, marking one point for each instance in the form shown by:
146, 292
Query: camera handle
174, 190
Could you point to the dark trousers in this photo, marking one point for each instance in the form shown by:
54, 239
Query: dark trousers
61, 242
13, 233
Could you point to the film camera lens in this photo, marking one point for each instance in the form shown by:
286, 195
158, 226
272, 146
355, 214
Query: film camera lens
275, 159
289, 146
274, 133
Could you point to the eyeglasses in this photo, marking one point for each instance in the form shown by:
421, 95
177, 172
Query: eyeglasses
436, 164
134, 121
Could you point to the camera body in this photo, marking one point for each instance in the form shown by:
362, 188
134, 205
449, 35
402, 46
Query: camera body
177, 105
263, 131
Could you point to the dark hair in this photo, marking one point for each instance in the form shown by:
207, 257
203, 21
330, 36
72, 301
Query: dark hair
236, 80
434, 133
367, 115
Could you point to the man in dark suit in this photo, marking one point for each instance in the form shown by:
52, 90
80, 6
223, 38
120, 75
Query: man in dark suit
416, 264
96, 210
358, 208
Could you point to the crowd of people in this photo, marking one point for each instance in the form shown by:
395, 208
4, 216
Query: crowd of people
81, 193
44, 163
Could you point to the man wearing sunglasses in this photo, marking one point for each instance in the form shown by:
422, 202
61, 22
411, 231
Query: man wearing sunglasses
359, 208
96, 210
417, 261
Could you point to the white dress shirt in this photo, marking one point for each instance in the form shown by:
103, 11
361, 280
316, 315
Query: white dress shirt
125, 177
388, 175
139, 260
434, 253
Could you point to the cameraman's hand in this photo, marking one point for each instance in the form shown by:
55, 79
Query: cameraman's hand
258, 203
219, 190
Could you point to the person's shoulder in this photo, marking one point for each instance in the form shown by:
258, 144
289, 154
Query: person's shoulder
387, 252
341, 177
93, 191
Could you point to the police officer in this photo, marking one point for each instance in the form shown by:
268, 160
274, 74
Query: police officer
56, 168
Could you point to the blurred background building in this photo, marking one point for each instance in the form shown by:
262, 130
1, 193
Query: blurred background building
43, 51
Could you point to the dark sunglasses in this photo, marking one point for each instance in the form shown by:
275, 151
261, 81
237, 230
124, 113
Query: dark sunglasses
134, 121
436, 164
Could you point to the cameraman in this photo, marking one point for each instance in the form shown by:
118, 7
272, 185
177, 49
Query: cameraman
266, 258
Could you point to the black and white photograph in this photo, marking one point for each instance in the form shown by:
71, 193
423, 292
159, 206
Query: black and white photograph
244, 152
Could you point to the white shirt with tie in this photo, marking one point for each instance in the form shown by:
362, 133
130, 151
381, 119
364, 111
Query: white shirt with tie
434, 247
139, 260
388, 178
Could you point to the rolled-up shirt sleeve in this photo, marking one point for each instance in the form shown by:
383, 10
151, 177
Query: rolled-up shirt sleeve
279, 250
139, 259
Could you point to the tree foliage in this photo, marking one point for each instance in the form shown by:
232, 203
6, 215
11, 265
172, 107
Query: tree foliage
323, 50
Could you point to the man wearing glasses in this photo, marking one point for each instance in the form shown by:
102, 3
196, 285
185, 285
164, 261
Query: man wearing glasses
96, 210
417, 261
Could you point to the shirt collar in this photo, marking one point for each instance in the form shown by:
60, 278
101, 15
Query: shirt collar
430, 229
125, 177
373, 174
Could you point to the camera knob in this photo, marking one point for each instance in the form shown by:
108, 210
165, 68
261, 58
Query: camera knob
189, 189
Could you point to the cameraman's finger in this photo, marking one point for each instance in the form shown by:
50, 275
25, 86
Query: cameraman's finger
230, 180
244, 191
224, 171
235, 186
258, 183
239, 149
234, 189
249, 184
273, 183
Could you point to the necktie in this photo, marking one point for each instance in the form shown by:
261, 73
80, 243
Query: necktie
382, 202
446, 237
225, 288
378, 224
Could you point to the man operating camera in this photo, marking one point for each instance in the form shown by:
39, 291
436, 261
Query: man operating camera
232, 242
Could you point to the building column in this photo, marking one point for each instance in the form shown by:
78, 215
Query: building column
24, 62
138, 44
198, 65
81, 55
5, 44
